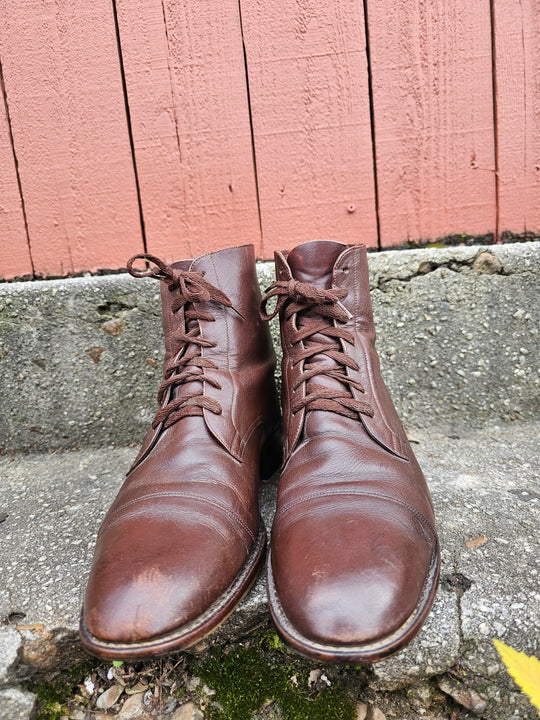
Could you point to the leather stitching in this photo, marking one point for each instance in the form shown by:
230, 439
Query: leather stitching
202, 519
189, 496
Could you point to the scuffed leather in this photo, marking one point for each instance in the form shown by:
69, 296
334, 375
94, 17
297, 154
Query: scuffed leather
186, 518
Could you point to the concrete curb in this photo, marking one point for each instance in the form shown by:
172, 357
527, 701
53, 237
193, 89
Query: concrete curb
457, 335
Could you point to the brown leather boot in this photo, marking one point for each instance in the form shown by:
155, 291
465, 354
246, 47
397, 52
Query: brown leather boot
183, 540
354, 559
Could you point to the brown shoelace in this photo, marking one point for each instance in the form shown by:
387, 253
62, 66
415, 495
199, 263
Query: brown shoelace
188, 365
319, 308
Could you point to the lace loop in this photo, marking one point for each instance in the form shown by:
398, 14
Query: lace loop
303, 295
188, 365
192, 285
318, 309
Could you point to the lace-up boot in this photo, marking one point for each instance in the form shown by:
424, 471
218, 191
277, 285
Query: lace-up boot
354, 560
183, 540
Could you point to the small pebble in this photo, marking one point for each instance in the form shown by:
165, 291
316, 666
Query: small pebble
188, 711
486, 264
361, 711
467, 697
132, 708
108, 698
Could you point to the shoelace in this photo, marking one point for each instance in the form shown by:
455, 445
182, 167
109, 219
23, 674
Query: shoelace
187, 366
294, 297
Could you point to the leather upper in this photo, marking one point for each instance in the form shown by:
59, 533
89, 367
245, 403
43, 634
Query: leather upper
186, 518
353, 538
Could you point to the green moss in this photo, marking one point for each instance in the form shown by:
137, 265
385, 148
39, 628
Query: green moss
51, 701
272, 641
248, 677
52, 696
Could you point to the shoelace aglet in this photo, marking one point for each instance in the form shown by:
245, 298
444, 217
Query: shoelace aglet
347, 313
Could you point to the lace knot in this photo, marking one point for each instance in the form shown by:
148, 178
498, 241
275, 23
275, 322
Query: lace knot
192, 286
302, 295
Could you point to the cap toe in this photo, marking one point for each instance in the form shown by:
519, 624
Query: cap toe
144, 586
350, 582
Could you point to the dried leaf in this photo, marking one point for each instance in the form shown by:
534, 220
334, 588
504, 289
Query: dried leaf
140, 687
524, 669
476, 542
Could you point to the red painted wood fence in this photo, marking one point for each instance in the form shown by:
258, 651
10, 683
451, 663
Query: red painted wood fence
183, 127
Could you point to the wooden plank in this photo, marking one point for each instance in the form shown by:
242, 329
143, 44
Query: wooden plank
517, 71
14, 251
65, 97
433, 117
188, 102
309, 99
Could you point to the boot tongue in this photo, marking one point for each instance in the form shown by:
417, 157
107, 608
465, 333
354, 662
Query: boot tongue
313, 262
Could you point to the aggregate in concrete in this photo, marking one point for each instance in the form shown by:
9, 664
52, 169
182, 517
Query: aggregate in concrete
80, 359
16, 704
11, 647
484, 486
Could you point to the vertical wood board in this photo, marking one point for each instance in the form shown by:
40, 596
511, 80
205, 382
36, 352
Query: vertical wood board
188, 102
517, 69
66, 104
431, 67
14, 252
307, 72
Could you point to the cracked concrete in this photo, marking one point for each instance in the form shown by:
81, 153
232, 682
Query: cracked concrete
482, 260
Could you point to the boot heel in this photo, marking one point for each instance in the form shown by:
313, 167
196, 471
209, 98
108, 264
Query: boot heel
271, 453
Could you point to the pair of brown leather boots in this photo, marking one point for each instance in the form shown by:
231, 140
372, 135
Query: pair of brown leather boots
354, 560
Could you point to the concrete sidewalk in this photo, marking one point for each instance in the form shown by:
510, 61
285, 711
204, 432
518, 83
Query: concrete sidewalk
484, 485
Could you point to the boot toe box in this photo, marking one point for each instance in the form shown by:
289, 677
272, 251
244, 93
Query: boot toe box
143, 586
351, 578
